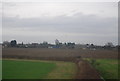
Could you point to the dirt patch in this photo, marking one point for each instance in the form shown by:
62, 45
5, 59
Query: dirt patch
86, 71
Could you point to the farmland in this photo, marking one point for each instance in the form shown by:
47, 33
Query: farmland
108, 68
32, 69
65, 59
25, 69
56, 54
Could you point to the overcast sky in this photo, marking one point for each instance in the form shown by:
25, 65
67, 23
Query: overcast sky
79, 22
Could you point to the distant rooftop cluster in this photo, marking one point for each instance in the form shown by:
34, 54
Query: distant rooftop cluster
66, 45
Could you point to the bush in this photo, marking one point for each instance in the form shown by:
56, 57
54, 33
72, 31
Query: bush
94, 63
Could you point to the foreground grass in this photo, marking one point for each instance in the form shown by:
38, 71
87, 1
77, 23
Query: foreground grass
64, 70
0, 69
24, 69
108, 68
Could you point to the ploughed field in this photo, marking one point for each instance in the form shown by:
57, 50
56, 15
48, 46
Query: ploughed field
56, 54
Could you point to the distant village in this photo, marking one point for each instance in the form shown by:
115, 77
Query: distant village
66, 45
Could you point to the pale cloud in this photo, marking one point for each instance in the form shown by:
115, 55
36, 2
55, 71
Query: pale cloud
61, 0
0, 22
77, 22
53, 9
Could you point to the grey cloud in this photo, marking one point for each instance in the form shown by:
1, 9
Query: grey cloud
98, 30
79, 23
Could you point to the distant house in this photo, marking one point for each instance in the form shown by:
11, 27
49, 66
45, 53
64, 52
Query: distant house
34, 45
13, 43
5, 44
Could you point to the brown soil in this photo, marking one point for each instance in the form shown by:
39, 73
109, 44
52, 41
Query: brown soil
86, 71
41, 53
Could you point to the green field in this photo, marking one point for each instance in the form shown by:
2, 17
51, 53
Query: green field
23, 69
108, 68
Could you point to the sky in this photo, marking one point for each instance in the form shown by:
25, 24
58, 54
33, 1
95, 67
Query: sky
79, 22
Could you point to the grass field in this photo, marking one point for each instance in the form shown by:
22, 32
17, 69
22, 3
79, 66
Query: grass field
108, 68
22, 69
64, 70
